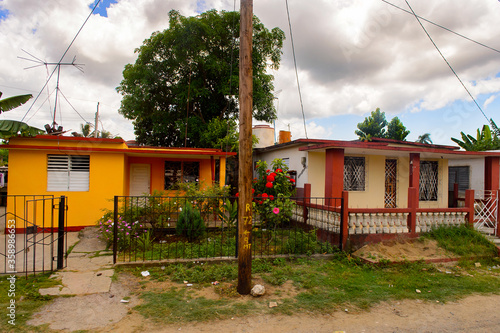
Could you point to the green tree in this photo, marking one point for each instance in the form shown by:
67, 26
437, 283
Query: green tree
396, 130
373, 126
188, 75
424, 138
484, 140
376, 126
9, 128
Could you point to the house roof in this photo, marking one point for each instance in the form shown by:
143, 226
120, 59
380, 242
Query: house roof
80, 144
378, 146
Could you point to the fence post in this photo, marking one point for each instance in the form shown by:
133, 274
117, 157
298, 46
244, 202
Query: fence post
115, 228
307, 201
344, 220
469, 204
455, 195
60, 233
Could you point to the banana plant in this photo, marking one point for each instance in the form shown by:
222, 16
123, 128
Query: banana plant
484, 140
9, 128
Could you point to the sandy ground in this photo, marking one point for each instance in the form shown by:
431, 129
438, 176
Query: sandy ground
104, 312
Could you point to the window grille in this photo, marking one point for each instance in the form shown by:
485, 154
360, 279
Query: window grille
68, 172
390, 183
180, 172
354, 173
428, 187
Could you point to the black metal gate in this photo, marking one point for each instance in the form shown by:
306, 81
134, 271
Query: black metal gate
33, 234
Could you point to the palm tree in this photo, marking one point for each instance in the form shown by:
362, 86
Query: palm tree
9, 128
425, 138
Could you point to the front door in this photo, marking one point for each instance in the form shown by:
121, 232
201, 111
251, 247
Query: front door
140, 179
390, 183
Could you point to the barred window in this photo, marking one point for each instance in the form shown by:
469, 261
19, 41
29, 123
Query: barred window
354, 173
428, 186
180, 172
68, 172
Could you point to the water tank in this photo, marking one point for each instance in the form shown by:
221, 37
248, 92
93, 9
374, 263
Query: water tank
265, 134
285, 136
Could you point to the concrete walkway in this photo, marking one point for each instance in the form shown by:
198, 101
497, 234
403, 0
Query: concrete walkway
89, 268
97, 302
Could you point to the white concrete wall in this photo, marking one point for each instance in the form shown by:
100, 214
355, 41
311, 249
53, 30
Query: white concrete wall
476, 169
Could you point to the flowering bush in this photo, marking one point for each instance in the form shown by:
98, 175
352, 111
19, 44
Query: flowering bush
272, 189
126, 231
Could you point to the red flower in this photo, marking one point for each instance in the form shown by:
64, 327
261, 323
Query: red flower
267, 171
292, 180
237, 194
260, 202
271, 197
253, 191
265, 196
270, 178
269, 185
279, 170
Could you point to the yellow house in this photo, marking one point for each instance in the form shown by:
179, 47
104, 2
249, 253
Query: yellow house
91, 171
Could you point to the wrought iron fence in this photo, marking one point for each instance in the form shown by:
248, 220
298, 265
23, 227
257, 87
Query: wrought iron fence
34, 236
146, 228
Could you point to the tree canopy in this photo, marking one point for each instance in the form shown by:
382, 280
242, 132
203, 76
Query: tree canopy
188, 75
424, 138
376, 126
484, 140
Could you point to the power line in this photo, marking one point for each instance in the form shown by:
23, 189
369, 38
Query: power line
295, 65
62, 57
442, 27
451, 68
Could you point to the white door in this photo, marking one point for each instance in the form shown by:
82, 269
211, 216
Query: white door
139, 179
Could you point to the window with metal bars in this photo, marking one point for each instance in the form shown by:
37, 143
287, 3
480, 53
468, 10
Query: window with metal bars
354, 173
428, 186
68, 173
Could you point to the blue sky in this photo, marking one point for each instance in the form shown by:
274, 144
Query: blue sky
102, 8
353, 56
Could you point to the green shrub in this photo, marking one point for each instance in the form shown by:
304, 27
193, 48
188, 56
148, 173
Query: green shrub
189, 223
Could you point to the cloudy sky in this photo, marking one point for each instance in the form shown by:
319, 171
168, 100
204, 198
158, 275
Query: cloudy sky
352, 57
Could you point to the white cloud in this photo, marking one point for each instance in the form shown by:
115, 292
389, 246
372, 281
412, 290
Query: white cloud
352, 56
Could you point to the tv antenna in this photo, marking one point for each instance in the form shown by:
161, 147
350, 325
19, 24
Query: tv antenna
53, 129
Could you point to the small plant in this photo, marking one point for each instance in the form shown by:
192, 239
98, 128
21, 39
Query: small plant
189, 223
228, 213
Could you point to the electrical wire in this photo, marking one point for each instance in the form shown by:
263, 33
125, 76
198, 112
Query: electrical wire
295, 65
442, 27
62, 57
72, 106
451, 68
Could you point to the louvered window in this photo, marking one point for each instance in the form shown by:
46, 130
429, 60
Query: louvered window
354, 173
68, 172
460, 176
428, 181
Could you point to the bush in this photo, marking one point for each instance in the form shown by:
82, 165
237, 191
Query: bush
126, 232
189, 223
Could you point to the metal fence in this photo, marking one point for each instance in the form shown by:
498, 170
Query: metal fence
146, 228
34, 234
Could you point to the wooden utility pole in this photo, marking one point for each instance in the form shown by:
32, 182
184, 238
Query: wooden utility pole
245, 150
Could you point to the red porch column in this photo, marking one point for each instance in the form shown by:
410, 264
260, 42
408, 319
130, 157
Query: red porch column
307, 201
212, 167
414, 170
469, 204
491, 173
412, 205
491, 179
334, 173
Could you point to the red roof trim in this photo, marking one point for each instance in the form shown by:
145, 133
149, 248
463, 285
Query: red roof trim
125, 151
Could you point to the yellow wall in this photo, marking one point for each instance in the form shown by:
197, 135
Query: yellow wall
316, 173
28, 175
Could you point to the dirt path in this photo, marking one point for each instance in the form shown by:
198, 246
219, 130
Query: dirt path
104, 311
472, 314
